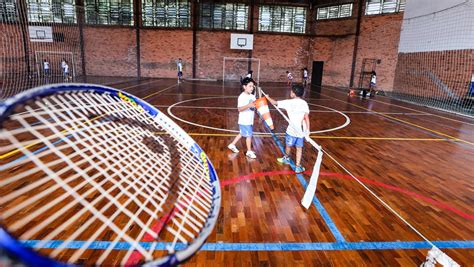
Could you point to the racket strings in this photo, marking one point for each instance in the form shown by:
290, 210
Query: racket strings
94, 148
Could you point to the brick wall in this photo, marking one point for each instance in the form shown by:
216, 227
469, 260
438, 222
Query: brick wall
379, 38
421, 74
160, 49
110, 51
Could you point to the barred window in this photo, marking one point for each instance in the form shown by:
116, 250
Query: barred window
223, 16
374, 7
282, 19
109, 12
8, 11
59, 11
334, 12
166, 13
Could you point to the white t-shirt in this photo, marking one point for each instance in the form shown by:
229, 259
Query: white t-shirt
63, 63
305, 73
296, 108
46, 65
180, 66
246, 116
290, 76
66, 68
373, 79
248, 75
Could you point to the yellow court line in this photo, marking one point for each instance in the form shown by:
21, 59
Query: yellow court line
331, 137
185, 94
33, 144
30, 145
150, 95
380, 138
452, 138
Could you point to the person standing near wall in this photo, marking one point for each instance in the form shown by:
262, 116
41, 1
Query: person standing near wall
46, 70
305, 76
180, 69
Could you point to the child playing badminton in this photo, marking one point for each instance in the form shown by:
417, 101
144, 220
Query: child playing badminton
298, 114
245, 106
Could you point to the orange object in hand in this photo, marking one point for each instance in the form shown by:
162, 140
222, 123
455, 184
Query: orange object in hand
262, 107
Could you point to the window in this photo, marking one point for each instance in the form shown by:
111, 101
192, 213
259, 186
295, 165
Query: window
166, 13
60, 11
223, 16
374, 7
109, 12
282, 19
334, 12
8, 11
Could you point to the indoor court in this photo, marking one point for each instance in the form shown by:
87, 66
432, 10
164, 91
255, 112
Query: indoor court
416, 159
395, 184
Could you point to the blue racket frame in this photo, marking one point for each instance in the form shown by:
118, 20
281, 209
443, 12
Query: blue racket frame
28, 256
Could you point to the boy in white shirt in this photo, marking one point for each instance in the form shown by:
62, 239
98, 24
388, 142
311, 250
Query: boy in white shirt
373, 83
289, 76
245, 106
180, 69
305, 77
46, 70
298, 113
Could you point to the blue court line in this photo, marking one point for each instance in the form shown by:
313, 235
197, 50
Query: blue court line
319, 206
454, 244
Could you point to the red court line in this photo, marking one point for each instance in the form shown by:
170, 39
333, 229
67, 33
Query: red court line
136, 256
436, 203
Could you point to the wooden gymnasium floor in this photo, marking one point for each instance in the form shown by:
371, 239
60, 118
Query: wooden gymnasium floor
418, 160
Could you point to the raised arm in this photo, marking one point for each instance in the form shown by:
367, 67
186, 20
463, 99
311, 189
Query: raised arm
271, 100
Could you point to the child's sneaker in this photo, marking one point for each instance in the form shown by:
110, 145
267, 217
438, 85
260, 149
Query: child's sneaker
233, 148
299, 169
284, 160
251, 154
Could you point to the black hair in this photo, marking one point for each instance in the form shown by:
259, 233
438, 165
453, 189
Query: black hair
373, 72
298, 90
247, 80
250, 71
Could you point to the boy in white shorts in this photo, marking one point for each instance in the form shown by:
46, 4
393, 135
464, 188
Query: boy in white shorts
245, 106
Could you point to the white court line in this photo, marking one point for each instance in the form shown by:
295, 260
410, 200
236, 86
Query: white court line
312, 110
347, 122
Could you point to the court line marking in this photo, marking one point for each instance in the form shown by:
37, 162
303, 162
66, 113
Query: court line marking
281, 246
348, 120
256, 135
267, 135
338, 91
311, 110
396, 105
319, 206
434, 202
12, 152
322, 211
406, 122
